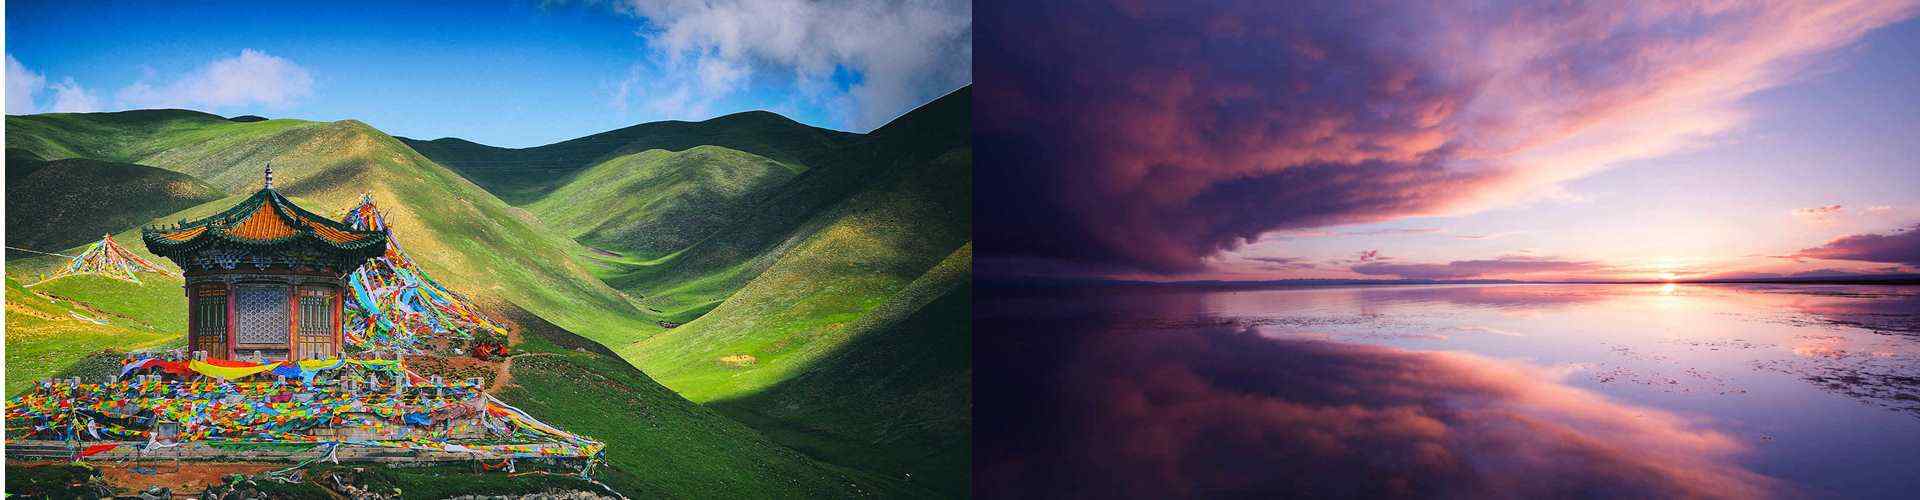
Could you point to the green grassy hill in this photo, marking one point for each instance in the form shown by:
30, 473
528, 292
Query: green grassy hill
53, 329
54, 205
463, 235
783, 303
896, 396
688, 283
841, 257
660, 443
652, 203
821, 277
183, 141
522, 176
856, 257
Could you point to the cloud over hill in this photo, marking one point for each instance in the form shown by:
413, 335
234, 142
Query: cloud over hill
889, 56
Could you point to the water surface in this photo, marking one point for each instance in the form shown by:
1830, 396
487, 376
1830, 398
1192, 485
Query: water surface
1461, 391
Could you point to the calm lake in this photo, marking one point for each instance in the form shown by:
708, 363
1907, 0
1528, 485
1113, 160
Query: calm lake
1521, 391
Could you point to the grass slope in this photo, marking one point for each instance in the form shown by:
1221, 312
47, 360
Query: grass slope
522, 176
694, 280
896, 397
652, 203
463, 235
161, 138
785, 350
856, 258
666, 445
54, 205
660, 444
46, 339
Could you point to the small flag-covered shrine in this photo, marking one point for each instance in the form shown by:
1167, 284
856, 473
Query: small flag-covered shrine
106, 258
266, 279
396, 307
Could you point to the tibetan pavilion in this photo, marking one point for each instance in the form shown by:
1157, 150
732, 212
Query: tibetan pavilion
265, 376
266, 279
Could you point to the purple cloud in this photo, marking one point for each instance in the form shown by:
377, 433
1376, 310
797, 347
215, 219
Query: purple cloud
1902, 246
1822, 213
1154, 137
1487, 236
1476, 268
1280, 263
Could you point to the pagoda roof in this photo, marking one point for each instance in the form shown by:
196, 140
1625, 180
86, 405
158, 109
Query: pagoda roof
263, 221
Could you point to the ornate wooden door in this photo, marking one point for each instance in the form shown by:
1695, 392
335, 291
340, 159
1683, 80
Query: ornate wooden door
209, 332
316, 323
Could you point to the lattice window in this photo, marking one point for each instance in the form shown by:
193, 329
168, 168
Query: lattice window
260, 314
210, 321
316, 323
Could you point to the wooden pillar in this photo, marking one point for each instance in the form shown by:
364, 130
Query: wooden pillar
193, 314
293, 321
339, 316
232, 340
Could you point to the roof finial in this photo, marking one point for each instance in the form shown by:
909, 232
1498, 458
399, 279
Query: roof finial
269, 175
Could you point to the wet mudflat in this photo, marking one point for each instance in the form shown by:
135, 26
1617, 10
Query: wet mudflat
1462, 391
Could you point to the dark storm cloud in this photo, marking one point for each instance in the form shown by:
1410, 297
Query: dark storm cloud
1216, 412
1476, 268
1899, 247
1154, 136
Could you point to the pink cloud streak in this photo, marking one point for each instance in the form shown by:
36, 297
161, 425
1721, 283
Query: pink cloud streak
1157, 136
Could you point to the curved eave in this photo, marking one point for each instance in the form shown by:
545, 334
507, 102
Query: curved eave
299, 226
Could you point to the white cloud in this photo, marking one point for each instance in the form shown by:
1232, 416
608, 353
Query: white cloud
25, 87
707, 51
252, 78
70, 97
22, 84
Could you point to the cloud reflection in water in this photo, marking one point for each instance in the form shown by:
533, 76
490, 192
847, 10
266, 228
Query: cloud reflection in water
1226, 412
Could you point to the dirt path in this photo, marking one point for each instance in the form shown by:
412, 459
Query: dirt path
189, 478
504, 373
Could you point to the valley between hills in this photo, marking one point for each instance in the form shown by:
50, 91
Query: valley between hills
744, 306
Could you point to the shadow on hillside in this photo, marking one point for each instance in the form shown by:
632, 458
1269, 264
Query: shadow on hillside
896, 401
658, 443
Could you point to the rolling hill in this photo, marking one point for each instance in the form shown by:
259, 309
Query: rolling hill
661, 443
54, 205
846, 252
820, 277
522, 176
693, 280
656, 202
896, 396
54, 331
473, 241
464, 235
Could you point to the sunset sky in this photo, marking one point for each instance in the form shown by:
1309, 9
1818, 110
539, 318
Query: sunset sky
1250, 140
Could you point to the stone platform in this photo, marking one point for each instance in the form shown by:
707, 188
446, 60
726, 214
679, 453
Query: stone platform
40, 450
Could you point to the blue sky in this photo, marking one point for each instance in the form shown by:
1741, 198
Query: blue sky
510, 73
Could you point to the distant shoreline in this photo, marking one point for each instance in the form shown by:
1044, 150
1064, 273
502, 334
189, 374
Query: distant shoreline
1004, 283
